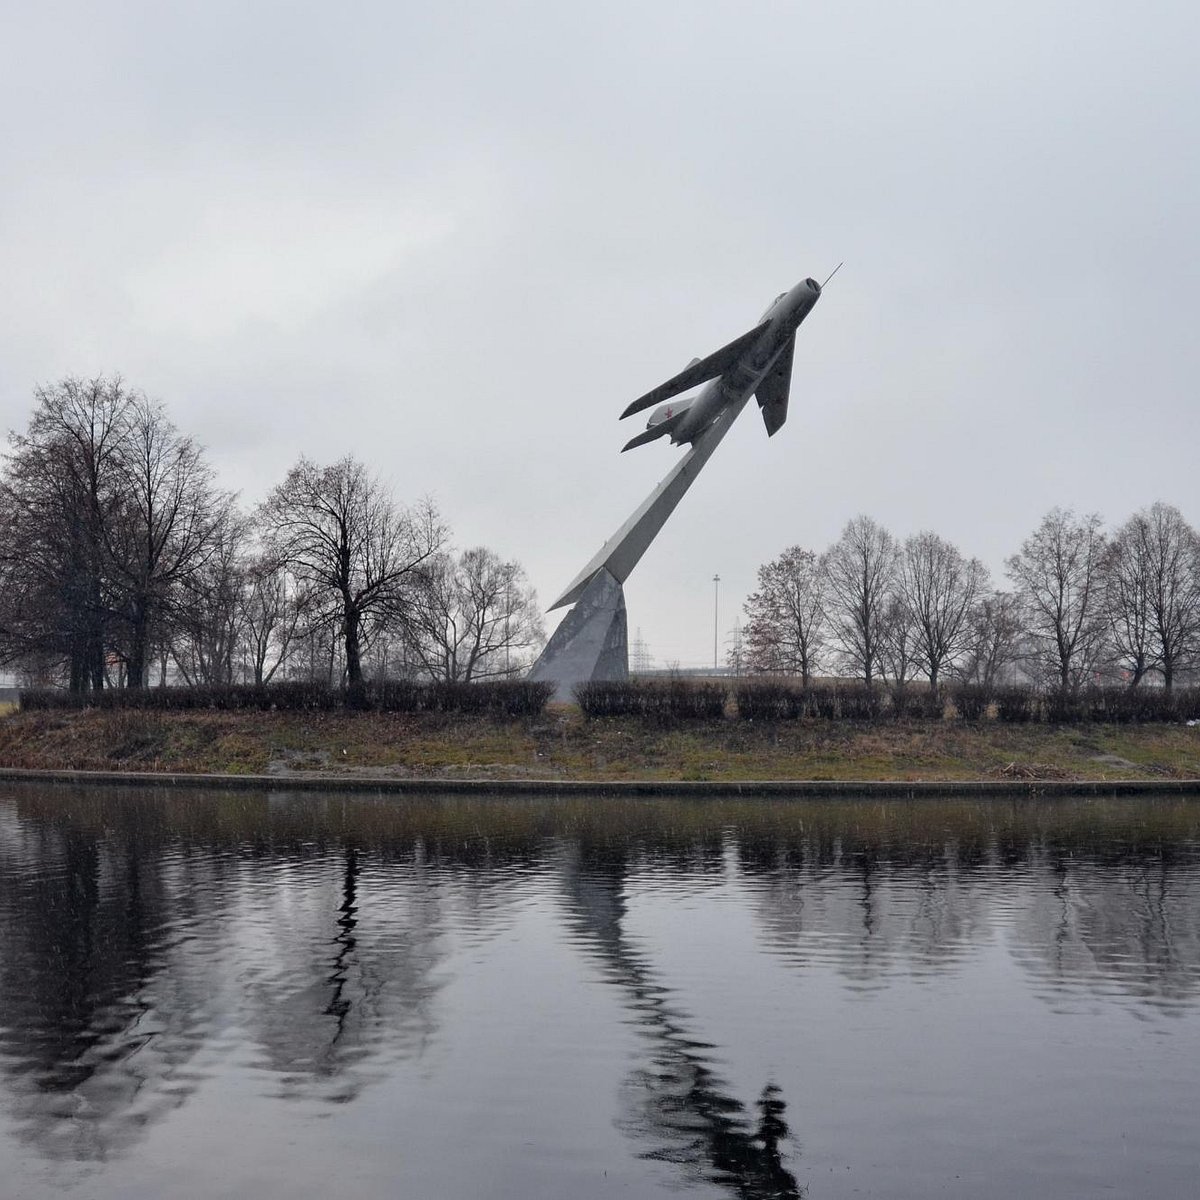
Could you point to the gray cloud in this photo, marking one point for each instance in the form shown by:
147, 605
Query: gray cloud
455, 240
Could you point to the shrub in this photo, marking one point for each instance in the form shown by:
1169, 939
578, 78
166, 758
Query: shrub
1124, 705
503, 697
608, 698
916, 703
696, 701
769, 700
1016, 705
1185, 704
1149, 704
1064, 707
42, 699
858, 702
518, 697
526, 697
971, 701
676, 698
303, 696
823, 703
395, 695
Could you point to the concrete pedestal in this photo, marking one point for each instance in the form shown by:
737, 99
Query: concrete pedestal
591, 643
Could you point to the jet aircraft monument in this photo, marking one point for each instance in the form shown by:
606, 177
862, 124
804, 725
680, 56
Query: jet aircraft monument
592, 641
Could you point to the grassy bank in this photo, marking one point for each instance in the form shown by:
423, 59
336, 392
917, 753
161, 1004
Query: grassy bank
564, 745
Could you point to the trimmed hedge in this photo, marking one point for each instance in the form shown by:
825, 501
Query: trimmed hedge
769, 700
917, 704
766, 700
1017, 705
675, 699
509, 697
857, 702
971, 701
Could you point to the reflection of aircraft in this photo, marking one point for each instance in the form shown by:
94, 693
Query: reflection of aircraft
759, 363
677, 1102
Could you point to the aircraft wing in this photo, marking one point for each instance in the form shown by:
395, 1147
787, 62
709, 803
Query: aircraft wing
715, 364
773, 392
659, 430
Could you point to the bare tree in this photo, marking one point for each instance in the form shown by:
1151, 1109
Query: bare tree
210, 613
899, 643
1156, 557
272, 615
473, 617
1059, 575
348, 542
319, 652
860, 570
993, 640
165, 529
785, 618
938, 587
1127, 599
62, 488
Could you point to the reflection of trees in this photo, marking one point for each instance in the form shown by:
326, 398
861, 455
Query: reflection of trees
866, 911
96, 1024
1099, 896
676, 1102
134, 924
127, 921
347, 982
1132, 927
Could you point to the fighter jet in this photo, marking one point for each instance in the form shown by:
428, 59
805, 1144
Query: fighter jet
758, 363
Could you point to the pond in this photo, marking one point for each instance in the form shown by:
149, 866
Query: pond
280, 995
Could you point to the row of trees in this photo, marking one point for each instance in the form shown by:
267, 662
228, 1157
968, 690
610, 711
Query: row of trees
119, 553
1085, 605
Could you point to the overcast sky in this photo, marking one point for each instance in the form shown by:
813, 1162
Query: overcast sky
455, 240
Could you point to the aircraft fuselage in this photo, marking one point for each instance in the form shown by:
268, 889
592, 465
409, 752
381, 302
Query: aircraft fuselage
742, 380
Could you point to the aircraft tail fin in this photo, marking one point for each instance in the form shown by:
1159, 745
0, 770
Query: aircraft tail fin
703, 369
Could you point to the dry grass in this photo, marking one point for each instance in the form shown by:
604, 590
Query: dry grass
562, 745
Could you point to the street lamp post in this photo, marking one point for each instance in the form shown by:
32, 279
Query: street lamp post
716, 586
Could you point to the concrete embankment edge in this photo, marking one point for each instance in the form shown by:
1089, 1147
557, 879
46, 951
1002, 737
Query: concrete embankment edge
783, 788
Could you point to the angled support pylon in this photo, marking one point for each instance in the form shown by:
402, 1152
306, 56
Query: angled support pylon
587, 644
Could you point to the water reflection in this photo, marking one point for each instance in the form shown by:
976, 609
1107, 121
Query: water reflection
1126, 929
92, 1012
675, 1102
1089, 896
147, 938
341, 981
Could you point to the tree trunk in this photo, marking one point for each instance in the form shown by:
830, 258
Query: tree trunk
136, 670
79, 671
354, 674
95, 659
